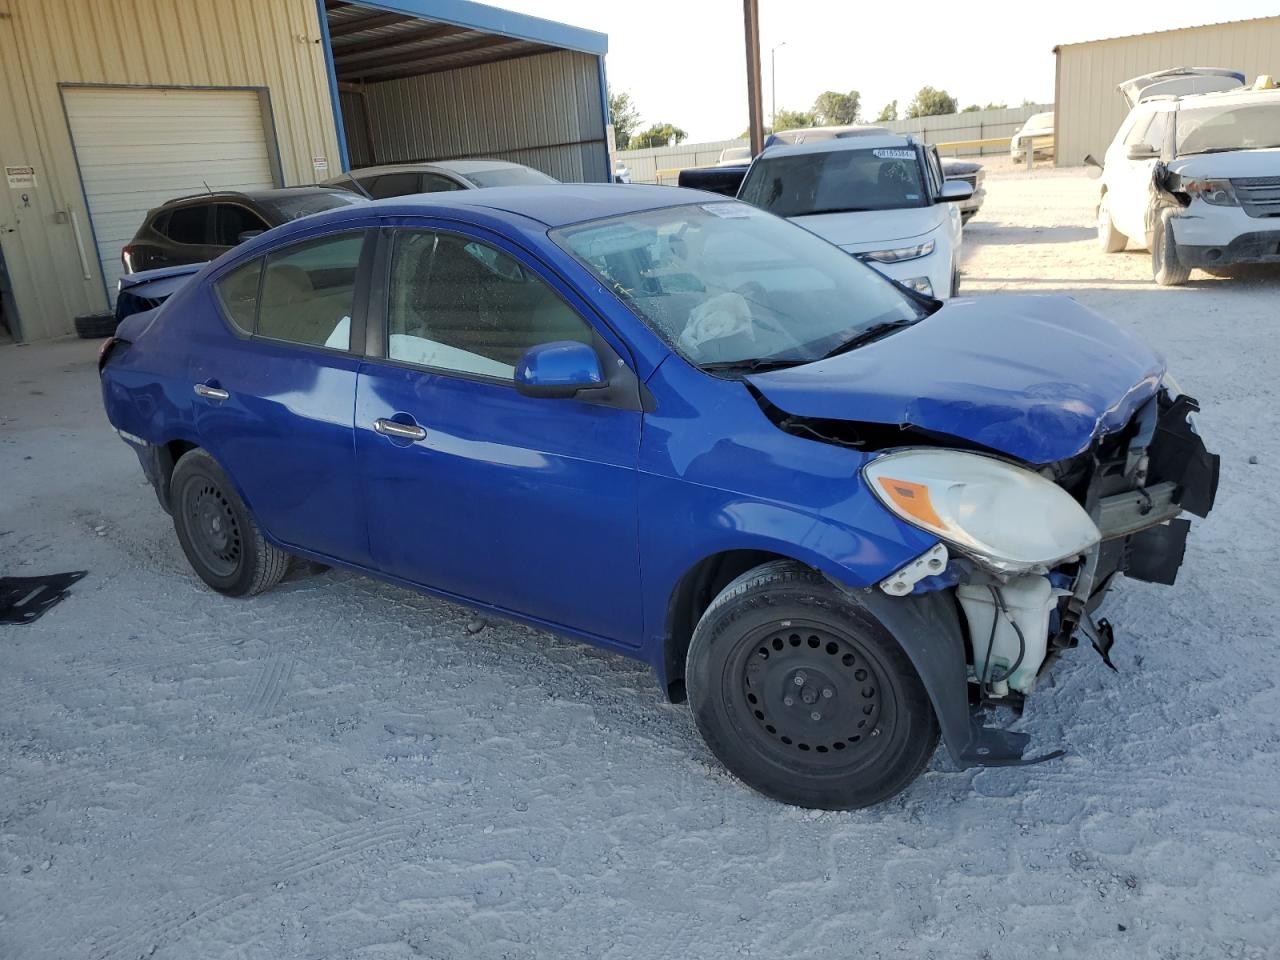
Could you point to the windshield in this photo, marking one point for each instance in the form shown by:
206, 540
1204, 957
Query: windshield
835, 181
1039, 121
294, 206
724, 284
508, 177
1240, 126
735, 155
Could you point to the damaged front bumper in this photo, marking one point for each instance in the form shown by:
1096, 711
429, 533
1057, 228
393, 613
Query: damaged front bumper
1135, 484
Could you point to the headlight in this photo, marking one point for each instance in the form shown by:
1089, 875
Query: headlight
901, 253
919, 285
1220, 193
1008, 517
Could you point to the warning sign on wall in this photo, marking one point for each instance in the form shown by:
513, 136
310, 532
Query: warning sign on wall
20, 178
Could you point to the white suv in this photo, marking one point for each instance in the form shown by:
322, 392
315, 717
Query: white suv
1194, 178
879, 196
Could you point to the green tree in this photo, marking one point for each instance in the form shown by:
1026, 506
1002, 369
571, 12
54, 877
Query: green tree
658, 135
888, 112
931, 103
793, 119
971, 108
624, 116
833, 109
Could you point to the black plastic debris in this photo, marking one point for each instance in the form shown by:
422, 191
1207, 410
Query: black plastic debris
24, 599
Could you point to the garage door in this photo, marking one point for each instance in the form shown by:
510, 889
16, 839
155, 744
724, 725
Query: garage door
137, 148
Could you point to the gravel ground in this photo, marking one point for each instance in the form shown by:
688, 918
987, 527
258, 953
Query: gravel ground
340, 769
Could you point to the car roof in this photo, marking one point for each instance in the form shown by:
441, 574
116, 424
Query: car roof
865, 142
1226, 97
275, 193
449, 166
551, 204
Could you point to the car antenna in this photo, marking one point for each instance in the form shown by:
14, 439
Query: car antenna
206, 187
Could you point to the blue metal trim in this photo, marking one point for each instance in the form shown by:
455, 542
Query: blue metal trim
476, 16
343, 159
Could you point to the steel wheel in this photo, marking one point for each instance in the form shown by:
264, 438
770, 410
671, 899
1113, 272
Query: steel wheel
212, 524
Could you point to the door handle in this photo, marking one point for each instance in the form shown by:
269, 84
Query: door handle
210, 393
401, 431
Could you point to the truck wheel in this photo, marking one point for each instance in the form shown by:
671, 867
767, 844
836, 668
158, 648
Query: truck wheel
1110, 240
223, 543
1165, 266
803, 695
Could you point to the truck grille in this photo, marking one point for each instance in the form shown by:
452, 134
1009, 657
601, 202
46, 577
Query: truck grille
1259, 196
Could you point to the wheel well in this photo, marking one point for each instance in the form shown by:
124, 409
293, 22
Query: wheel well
167, 454
689, 601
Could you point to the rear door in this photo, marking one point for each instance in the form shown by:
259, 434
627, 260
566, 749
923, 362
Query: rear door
528, 504
1129, 179
185, 236
274, 397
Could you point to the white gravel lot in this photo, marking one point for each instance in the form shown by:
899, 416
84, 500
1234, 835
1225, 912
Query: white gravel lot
338, 769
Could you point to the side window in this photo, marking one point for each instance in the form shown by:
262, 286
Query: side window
1154, 137
230, 220
393, 185
1138, 131
463, 306
308, 292
238, 291
935, 171
435, 183
188, 224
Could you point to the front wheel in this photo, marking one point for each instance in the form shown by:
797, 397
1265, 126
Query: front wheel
1165, 266
804, 695
222, 541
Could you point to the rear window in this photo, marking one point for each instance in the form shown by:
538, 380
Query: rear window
509, 177
187, 224
298, 205
837, 181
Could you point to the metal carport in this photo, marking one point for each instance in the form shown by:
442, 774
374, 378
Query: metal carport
445, 79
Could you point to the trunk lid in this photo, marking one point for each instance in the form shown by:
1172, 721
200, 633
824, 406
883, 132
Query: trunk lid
1036, 378
1179, 82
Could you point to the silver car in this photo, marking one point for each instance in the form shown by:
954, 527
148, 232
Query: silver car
403, 179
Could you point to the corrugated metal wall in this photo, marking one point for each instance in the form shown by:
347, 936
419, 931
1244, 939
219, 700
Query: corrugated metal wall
545, 111
45, 43
978, 125
355, 123
1089, 108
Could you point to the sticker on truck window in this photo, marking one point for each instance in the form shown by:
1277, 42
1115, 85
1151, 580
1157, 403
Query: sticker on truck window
893, 153
729, 211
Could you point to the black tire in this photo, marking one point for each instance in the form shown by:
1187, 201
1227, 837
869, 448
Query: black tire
1110, 240
782, 632
96, 326
222, 541
1167, 270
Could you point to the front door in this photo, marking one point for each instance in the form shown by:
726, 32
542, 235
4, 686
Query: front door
528, 504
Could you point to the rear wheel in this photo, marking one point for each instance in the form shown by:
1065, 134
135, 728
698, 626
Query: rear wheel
1110, 240
222, 541
804, 695
1165, 266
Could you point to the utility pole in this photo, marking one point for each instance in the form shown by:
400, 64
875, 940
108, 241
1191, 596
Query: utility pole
751, 23
773, 80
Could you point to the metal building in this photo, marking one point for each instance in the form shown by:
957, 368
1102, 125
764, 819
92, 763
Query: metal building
1088, 107
107, 110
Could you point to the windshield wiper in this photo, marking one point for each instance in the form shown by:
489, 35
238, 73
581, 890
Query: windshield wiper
815, 213
872, 333
756, 365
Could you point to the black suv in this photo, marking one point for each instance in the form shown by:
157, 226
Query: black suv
201, 227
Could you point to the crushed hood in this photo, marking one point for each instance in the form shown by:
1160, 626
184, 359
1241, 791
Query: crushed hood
1033, 377
870, 229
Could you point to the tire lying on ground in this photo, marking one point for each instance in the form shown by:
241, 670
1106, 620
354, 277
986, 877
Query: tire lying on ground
804, 695
95, 326
222, 541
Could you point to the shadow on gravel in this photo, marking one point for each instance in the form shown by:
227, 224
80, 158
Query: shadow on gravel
990, 233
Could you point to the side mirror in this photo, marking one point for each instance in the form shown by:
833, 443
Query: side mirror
1095, 168
558, 369
249, 235
1141, 151
953, 190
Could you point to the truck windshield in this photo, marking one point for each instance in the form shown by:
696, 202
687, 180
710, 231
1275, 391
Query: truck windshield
1222, 127
724, 284
835, 181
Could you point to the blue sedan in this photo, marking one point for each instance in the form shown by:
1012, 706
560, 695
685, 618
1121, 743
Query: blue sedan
838, 517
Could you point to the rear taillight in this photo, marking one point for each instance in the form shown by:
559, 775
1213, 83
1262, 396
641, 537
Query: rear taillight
126, 257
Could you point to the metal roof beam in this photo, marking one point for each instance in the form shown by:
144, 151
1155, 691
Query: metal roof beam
348, 27
370, 65
433, 32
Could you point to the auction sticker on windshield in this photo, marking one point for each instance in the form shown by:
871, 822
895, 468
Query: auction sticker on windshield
893, 153
729, 211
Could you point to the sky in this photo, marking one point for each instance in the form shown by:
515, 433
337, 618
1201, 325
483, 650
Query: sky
684, 61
